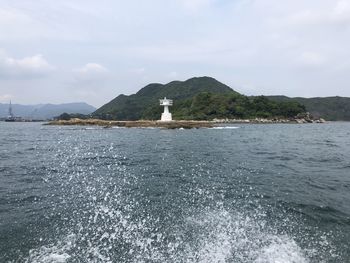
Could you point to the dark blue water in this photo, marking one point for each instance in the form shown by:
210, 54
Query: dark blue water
255, 193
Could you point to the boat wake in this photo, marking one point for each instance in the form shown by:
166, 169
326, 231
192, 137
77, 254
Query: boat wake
217, 236
110, 235
107, 212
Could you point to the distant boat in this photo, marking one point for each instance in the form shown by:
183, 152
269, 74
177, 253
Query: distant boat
10, 117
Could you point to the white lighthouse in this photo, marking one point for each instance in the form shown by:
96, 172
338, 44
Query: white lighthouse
166, 115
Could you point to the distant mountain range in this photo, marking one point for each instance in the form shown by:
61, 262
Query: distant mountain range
206, 98
45, 111
201, 98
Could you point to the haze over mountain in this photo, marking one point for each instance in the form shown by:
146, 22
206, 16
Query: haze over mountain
45, 111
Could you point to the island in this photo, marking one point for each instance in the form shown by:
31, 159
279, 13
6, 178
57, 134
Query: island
198, 102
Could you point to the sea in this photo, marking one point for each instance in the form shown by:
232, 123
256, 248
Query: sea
237, 193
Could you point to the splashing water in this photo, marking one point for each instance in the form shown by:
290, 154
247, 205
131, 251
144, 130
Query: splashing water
167, 196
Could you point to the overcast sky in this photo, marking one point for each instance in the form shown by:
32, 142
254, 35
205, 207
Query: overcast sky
92, 51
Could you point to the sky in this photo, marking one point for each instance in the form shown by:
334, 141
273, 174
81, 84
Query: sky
92, 51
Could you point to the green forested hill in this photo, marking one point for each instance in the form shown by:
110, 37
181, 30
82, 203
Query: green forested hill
329, 108
201, 98
207, 106
133, 107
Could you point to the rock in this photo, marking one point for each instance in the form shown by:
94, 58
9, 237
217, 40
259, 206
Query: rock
300, 121
141, 123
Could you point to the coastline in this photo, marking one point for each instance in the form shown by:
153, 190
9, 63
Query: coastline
270, 121
136, 124
176, 124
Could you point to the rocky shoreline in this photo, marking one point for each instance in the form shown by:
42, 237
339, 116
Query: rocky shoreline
177, 124
269, 121
136, 124
300, 118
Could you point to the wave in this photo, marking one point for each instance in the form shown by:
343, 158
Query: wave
225, 128
93, 128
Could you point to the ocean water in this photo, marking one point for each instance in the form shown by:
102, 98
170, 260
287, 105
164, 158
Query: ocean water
244, 193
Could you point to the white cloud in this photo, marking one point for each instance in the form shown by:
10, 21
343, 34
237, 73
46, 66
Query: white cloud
196, 5
90, 68
5, 97
90, 71
251, 43
12, 16
312, 59
341, 12
34, 63
338, 13
17, 25
138, 71
34, 66
305, 17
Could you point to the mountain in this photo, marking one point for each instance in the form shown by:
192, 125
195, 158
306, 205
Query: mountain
329, 108
45, 111
18, 110
134, 106
202, 98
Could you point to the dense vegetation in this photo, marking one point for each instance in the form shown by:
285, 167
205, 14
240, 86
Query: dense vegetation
329, 108
198, 99
67, 116
207, 106
134, 106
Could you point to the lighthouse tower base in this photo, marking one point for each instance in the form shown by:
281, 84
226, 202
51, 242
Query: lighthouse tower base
166, 116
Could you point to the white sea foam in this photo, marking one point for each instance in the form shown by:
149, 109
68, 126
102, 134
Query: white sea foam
217, 237
225, 127
114, 227
227, 237
57, 253
281, 250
